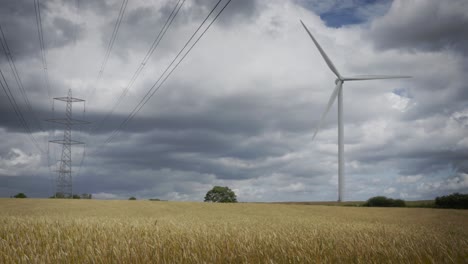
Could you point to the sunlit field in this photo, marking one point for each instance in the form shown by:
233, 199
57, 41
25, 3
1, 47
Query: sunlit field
91, 231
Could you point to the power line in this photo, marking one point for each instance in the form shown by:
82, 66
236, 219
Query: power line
155, 86
148, 55
43, 52
75, 33
13, 68
110, 45
17, 110
37, 10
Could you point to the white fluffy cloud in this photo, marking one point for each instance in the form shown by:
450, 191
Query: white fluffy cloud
16, 162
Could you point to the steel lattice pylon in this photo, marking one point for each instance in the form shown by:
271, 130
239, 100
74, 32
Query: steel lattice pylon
64, 187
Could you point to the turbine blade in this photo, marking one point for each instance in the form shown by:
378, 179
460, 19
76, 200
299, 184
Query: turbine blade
324, 55
374, 77
329, 105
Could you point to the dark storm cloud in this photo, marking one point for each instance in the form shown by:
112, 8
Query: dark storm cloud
101, 7
224, 127
113, 181
66, 32
10, 121
18, 20
416, 161
33, 186
240, 113
139, 28
142, 24
423, 25
434, 92
32, 80
195, 150
192, 140
429, 27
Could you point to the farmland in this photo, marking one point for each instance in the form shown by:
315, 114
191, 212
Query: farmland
92, 231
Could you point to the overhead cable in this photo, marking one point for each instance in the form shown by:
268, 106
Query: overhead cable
161, 80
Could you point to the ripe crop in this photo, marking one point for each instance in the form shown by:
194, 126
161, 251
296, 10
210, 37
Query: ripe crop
91, 231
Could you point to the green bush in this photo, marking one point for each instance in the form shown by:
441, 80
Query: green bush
382, 201
20, 195
132, 198
455, 200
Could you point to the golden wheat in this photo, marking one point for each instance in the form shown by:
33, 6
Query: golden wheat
90, 231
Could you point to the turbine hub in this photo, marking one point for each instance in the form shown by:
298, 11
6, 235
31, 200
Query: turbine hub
338, 81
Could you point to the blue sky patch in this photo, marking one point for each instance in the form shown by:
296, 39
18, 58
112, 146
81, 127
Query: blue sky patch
340, 18
340, 13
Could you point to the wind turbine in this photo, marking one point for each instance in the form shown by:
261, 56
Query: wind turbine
338, 92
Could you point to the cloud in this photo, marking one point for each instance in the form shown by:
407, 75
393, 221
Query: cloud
293, 187
461, 117
398, 102
458, 182
241, 109
423, 25
16, 162
339, 13
18, 21
409, 178
389, 190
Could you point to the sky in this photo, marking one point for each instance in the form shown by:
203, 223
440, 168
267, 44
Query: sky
241, 108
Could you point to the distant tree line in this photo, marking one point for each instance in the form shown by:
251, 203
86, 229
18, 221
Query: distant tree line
455, 200
60, 195
382, 201
219, 194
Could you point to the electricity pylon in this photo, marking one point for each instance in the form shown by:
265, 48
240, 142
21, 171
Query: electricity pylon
64, 180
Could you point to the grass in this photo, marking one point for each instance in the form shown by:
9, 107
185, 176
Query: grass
415, 204
91, 231
421, 203
329, 203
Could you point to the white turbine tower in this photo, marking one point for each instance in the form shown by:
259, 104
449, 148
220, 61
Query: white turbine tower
338, 92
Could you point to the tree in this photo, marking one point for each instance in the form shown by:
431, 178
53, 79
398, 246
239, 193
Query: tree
221, 195
76, 196
132, 198
382, 201
20, 195
455, 200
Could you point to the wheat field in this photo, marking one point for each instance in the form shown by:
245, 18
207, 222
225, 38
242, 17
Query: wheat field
92, 231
